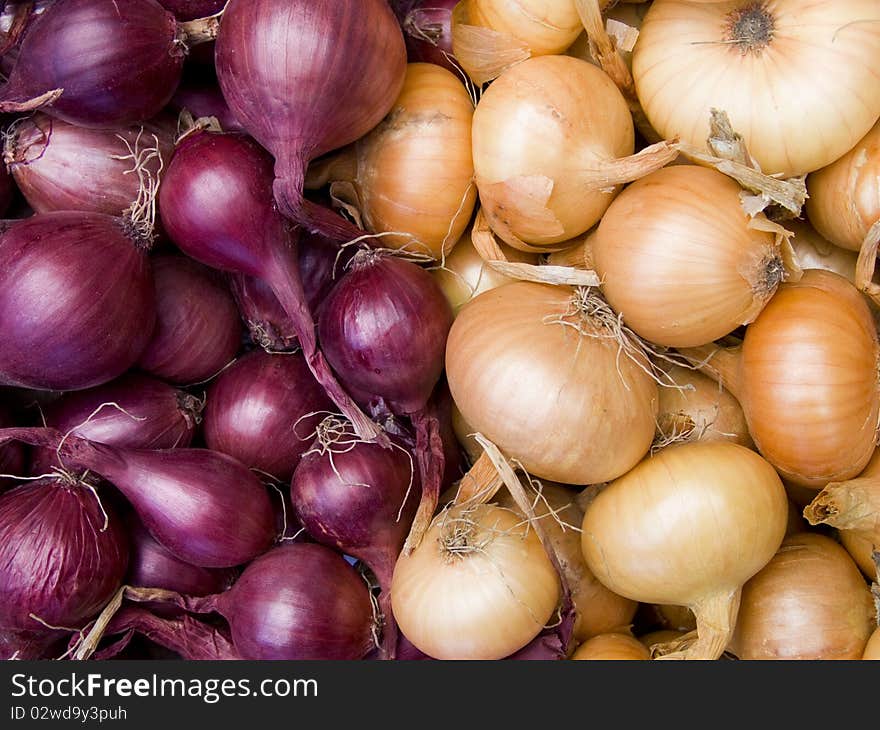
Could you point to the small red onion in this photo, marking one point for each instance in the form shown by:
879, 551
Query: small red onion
91, 63
203, 99
286, 72
77, 303
12, 456
153, 415
427, 29
59, 166
198, 330
260, 412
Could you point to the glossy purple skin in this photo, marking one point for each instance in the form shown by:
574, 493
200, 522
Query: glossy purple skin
204, 507
12, 455
286, 72
118, 64
383, 329
165, 417
300, 601
55, 560
198, 330
192, 9
422, 20
77, 303
203, 99
258, 410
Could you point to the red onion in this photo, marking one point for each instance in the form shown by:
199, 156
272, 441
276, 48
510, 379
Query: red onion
198, 331
63, 553
59, 166
7, 190
154, 415
203, 99
204, 507
360, 499
305, 78
216, 203
94, 65
12, 457
192, 9
259, 412
76, 300
427, 29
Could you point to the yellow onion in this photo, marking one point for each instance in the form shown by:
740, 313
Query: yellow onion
872, 648
696, 408
612, 647
815, 252
688, 526
806, 377
627, 13
489, 36
465, 273
661, 636
478, 586
681, 260
844, 197
546, 373
808, 602
413, 174
677, 618
861, 550
550, 139
797, 79
599, 611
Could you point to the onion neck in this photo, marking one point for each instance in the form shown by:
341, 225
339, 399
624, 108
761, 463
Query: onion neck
849, 505
598, 173
431, 463
201, 30
716, 619
480, 484
719, 363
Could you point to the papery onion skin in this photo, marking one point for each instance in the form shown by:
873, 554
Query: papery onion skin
427, 30
203, 99
259, 412
688, 46
815, 252
567, 405
198, 330
808, 602
844, 197
192, 9
613, 647
100, 312
60, 166
665, 532
283, 69
678, 260
454, 600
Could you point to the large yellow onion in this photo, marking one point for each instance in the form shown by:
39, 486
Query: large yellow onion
680, 260
808, 602
539, 373
797, 79
612, 647
688, 526
551, 138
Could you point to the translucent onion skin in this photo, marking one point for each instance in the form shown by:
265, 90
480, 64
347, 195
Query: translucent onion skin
102, 306
198, 330
665, 533
808, 602
115, 68
283, 70
413, 174
815, 252
844, 197
476, 590
60, 166
565, 404
685, 46
612, 647
678, 260
258, 412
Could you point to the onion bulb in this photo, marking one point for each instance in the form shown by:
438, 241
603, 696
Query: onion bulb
412, 176
696, 408
806, 377
872, 648
546, 373
689, 527
612, 647
479, 585
808, 602
599, 611
681, 260
844, 197
551, 138
861, 550
465, 273
752, 59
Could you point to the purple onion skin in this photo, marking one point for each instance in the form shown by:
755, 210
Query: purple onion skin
258, 412
383, 329
57, 561
31, 645
77, 302
59, 166
116, 67
203, 99
165, 417
286, 73
198, 330
192, 9
427, 29
300, 601
7, 190
12, 455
